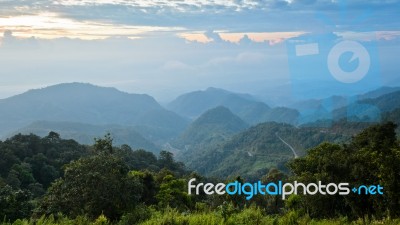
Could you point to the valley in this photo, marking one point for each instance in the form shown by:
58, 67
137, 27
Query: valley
215, 132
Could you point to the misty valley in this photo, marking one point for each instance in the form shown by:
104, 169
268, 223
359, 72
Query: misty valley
76, 153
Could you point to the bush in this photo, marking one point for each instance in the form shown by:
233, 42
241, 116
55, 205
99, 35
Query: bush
139, 214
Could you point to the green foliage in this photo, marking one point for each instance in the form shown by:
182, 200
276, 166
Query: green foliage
272, 204
227, 209
214, 126
166, 161
14, 204
115, 185
92, 186
253, 152
29, 159
103, 145
249, 216
150, 186
174, 217
372, 157
376, 160
84, 133
28, 164
101, 220
173, 193
139, 214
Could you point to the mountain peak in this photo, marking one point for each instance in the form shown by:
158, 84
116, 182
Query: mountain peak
208, 99
219, 115
214, 89
85, 103
215, 124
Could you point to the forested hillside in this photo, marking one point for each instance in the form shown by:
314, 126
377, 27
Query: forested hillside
30, 166
55, 181
85, 133
214, 126
258, 149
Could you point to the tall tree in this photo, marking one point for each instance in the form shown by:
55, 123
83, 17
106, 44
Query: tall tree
92, 186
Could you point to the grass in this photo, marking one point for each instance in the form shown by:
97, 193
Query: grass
248, 216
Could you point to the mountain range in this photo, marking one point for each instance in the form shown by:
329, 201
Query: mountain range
89, 104
248, 108
214, 131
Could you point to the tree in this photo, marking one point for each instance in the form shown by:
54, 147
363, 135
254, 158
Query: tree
173, 193
327, 163
148, 182
14, 203
93, 185
273, 203
22, 173
377, 161
371, 158
166, 160
104, 144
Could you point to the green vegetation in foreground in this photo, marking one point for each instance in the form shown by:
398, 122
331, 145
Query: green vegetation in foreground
248, 216
102, 184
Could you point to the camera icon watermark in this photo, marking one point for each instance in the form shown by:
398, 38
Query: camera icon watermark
334, 67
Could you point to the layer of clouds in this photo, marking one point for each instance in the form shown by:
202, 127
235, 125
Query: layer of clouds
236, 16
166, 47
164, 65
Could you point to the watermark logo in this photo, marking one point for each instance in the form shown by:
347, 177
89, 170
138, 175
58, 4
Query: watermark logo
335, 61
358, 53
280, 188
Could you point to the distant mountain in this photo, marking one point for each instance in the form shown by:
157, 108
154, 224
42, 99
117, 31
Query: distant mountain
385, 103
378, 92
331, 108
86, 103
213, 126
85, 133
369, 110
193, 104
330, 103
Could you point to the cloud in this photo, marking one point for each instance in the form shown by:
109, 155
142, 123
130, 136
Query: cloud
196, 37
193, 15
213, 35
271, 37
370, 36
178, 44
51, 25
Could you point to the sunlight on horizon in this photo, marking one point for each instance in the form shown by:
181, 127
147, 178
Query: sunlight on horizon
271, 37
51, 25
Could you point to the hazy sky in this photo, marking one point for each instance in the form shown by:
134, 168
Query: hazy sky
167, 47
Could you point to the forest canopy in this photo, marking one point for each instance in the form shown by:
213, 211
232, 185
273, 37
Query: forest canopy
52, 179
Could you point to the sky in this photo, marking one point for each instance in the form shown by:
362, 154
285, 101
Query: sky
273, 49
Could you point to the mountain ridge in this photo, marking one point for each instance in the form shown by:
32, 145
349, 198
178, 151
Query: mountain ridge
86, 103
248, 108
215, 125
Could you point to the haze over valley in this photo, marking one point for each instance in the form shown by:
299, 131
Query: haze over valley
209, 129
